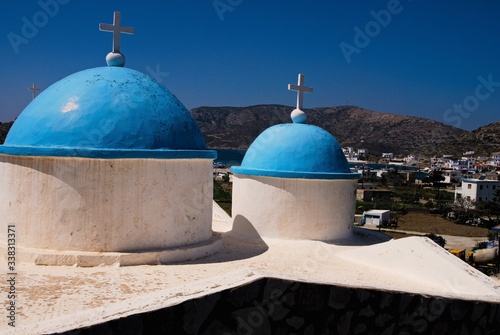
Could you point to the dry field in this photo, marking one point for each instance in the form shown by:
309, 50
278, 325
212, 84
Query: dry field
427, 223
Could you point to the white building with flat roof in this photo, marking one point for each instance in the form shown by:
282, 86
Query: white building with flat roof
477, 190
452, 176
363, 152
496, 159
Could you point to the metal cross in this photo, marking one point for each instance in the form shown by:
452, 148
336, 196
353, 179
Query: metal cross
300, 88
116, 29
34, 89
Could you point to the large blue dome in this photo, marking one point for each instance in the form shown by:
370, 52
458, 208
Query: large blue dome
296, 150
107, 112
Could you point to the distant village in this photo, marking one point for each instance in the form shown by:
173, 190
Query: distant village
452, 169
465, 189
473, 180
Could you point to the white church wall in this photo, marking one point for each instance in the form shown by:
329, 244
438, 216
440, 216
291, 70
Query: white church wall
289, 208
107, 205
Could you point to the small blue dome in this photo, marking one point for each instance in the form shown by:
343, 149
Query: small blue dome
107, 112
296, 150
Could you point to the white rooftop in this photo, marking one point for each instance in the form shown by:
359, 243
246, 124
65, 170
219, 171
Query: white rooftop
377, 211
61, 298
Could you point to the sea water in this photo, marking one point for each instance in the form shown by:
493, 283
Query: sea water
230, 157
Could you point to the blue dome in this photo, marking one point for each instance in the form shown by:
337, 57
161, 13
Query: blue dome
107, 112
296, 150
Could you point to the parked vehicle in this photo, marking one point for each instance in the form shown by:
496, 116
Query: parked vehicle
485, 260
439, 240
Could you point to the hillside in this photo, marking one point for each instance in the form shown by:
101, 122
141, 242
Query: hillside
237, 127
483, 141
4, 129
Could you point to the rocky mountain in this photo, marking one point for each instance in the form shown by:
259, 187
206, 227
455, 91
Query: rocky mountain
237, 127
4, 129
483, 141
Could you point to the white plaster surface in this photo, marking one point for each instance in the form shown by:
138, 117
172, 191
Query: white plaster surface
59, 298
293, 208
93, 258
101, 205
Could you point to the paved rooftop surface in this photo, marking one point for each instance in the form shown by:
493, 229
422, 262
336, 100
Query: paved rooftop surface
60, 298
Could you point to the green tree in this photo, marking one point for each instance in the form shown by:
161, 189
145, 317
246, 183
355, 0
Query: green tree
464, 210
393, 178
490, 209
436, 177
497, 196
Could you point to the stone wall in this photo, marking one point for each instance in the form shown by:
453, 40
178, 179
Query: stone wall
273, 306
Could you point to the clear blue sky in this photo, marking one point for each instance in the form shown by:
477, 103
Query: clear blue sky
422, 59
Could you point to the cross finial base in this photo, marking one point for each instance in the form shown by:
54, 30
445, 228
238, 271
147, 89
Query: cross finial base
298, 116
115, 59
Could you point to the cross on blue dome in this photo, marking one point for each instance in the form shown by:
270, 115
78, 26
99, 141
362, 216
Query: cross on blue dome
116, 28
107, 112
296, 150
116, 58
298, 115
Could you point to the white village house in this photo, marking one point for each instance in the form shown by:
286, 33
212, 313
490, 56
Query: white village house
475, 190
464, 164
451, 176
495, 159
